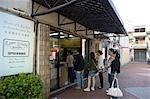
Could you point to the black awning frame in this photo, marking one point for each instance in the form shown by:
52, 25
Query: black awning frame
104, 17
54, 8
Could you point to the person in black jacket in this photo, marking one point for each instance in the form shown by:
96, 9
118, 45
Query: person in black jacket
79, 69
117, 58
113, 66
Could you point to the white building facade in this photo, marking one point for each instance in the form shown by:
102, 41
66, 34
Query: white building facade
140, 43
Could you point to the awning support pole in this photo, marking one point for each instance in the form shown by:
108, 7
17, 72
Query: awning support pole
55, 8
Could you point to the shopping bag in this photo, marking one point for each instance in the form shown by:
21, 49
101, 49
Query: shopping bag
115, 91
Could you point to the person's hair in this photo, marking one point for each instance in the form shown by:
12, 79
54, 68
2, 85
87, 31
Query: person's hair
79, 51
117, 54
69, 51
92, 56
100, 52
112, 50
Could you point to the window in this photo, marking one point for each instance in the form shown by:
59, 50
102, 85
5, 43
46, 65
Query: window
136, 30
139, 30
136, 41
142, 29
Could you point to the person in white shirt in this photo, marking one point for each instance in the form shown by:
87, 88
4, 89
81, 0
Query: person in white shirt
69, 61
101, 68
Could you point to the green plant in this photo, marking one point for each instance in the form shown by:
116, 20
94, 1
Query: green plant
21, 86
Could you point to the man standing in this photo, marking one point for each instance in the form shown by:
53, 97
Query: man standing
79, 69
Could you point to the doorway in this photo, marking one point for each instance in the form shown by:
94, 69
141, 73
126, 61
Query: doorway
140, 55
60, 42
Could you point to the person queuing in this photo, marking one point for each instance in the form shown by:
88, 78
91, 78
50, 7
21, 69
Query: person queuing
101, 68
92, 67
69, 61
113, 66
79, 69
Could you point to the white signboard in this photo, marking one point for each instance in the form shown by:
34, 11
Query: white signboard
16, 44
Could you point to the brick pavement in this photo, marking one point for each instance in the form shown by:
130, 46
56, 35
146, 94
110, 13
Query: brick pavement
134, 81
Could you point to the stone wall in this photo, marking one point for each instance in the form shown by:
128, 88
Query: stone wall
43, 57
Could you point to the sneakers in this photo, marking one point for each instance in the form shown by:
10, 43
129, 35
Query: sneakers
99, 87
93, 89
106, 91
86, 89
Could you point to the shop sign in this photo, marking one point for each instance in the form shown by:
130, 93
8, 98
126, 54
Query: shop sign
16, 44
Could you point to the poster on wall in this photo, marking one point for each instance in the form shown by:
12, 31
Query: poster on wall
16, 44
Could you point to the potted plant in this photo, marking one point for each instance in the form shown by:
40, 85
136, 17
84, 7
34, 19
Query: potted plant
21, 86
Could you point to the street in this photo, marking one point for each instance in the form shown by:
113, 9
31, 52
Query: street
134, 81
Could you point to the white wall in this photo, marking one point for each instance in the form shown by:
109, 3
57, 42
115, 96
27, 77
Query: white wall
124, 56
124, 41
24, 5
124, 50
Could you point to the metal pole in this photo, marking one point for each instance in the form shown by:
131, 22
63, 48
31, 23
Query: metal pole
36, 40
58, 19
32, 7
86, 31
55, 8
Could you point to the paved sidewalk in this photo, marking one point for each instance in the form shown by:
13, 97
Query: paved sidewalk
134, 81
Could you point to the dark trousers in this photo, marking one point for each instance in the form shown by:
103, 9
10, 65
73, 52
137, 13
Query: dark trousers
101, 79
110, 79
71, 74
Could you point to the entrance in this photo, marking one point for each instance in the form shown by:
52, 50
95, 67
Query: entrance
140, 55
60, 43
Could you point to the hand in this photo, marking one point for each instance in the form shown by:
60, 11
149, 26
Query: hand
103, 70
106, 68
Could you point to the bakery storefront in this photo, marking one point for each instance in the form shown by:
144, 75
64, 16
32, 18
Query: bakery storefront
60, 26
60, 43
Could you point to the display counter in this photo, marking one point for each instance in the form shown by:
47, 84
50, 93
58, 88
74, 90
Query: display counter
63, 75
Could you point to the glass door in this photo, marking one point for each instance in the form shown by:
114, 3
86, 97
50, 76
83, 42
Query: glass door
60, 43
54, 60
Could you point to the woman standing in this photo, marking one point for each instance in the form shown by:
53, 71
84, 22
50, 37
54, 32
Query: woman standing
113, 66
92, 71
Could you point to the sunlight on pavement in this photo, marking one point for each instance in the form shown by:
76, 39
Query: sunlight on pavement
144, 74
147, 69
140, 92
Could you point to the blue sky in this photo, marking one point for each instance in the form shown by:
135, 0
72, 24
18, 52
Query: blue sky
133, 12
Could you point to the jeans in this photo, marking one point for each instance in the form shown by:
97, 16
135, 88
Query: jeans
79, 76
92, 73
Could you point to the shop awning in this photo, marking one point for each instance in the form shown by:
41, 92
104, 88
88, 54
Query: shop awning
97, 15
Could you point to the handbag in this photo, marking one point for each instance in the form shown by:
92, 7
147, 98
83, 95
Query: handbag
115, 92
